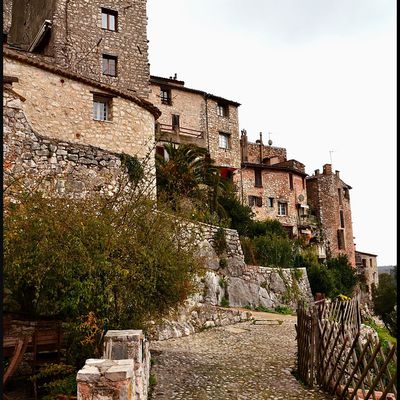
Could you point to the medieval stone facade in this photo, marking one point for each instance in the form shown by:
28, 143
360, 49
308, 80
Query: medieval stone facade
105, 41
367, 270
194, 116
329, 198
273, 186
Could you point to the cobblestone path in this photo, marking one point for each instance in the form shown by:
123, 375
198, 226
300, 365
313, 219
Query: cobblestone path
236, 362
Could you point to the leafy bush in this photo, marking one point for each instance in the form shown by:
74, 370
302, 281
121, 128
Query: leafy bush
53, 380
114, 257
335, 277
385, 302
249, 250
220, 244
274, 251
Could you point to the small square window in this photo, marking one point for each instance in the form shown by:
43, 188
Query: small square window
101, 108
165, 95
270, 201
282, 208
224, 141
109, 19
255, 201
222, 110
109, 65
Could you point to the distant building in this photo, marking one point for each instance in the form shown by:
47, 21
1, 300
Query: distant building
367, 269
274, 187
329, 198
194, 116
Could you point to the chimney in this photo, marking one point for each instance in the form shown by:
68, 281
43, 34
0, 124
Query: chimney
337, 173
327, 169
243, 143
316, 172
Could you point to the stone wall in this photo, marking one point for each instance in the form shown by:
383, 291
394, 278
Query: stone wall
62, 107
196, 318
50, 164
78, 42
122, 373
253, 153
324, 198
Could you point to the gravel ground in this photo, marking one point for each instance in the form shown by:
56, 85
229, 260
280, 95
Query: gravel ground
243, 361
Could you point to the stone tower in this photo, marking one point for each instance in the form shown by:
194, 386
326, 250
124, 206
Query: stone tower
105, 41
329, 197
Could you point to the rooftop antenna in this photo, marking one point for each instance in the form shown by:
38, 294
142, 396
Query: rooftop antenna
330, 156
269, 138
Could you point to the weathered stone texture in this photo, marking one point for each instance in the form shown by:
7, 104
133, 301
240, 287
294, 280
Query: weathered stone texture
275, 184
53, 165
257, 155
367, 270
323, 197
198, 112
123, 372
7, 13
63, 108
195, 319
78, 41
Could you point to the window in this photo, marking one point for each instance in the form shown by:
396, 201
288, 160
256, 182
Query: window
109, 19
346, 193
291, 181
257, 178
255, 201
160, 150
165, 96
341, 219
175, 122
101, 108
109, 65
340, 238
282, 208
270, 201
340, 196
224, 140
222, 110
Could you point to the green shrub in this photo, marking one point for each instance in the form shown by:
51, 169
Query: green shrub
224, 302
219, 241
114, 257
223, 263
249, 250
283, 310
385, 301
274, 251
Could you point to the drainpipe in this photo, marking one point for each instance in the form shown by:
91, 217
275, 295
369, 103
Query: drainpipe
208, 137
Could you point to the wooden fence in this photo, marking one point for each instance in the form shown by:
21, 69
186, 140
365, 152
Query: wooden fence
333, 355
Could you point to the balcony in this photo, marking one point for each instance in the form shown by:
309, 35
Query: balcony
307, 220
180, 134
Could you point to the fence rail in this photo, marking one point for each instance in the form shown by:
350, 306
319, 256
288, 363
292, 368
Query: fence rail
333, 355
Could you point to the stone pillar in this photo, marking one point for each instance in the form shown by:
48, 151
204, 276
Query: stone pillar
122, 373
130, 344
102, 379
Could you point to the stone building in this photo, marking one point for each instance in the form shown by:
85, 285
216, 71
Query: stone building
105, 41
367, 269
74, 127
274, 187
194, 116
329, 198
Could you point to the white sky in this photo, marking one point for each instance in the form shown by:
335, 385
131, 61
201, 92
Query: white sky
318, 74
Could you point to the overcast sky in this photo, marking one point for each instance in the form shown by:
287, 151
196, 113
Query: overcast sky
320, 75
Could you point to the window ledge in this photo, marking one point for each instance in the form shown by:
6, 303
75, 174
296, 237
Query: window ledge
103, 120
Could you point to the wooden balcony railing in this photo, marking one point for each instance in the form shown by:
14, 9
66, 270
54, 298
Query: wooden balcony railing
181, 131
